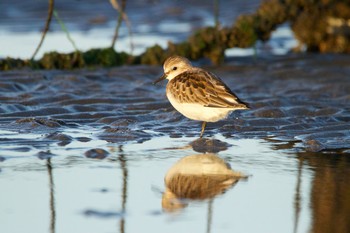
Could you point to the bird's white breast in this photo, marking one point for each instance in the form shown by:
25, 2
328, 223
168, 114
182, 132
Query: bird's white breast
198, 112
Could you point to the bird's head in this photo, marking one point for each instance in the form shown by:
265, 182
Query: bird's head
173, 66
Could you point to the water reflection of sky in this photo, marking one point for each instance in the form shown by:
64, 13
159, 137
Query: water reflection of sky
88, 193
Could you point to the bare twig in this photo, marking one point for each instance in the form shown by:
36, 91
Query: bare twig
216, 13
122, 16
46, 29
65, 30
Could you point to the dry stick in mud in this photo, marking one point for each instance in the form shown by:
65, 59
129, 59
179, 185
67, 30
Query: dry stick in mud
122, 16
46, 29
65, 30
216, 8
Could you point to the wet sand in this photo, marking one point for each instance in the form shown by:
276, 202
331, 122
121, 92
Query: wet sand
295, 98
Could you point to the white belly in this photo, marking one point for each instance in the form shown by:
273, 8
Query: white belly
198, 112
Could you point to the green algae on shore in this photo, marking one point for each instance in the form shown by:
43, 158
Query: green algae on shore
318, 26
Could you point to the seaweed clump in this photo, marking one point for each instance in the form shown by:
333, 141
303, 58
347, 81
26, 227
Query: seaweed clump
15, 63
319, 26
325, 28
106, 57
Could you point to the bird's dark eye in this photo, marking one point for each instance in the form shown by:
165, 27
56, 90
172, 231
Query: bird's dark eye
174, 68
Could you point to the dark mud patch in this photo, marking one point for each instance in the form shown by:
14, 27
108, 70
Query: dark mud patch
296, 97
97, 153
43, 155
31, 123
123, 134
205, 145
61, 138
103, 214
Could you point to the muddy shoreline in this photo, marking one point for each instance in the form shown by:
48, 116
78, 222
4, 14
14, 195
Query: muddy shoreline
294, 98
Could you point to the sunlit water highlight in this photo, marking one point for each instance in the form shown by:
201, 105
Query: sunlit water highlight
87, 195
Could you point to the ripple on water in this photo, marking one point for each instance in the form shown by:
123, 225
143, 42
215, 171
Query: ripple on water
124, 107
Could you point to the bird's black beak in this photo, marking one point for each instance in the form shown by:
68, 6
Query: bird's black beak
160, 79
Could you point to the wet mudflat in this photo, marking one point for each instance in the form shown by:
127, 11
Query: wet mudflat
300, 99
103, 151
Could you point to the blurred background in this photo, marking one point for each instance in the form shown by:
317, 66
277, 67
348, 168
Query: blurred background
91, 24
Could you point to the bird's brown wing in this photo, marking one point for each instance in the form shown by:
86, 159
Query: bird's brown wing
205, 88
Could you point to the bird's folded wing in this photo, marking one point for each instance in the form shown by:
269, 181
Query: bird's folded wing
204, 88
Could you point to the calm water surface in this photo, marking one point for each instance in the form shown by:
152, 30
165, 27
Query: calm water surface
123, 192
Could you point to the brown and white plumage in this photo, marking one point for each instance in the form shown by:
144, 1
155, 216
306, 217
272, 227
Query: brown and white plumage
197, 93
200, 86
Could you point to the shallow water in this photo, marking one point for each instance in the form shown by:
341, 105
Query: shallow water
88, 150
285, 192
123, 192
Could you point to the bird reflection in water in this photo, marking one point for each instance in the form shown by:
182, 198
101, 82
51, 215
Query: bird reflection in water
198, 177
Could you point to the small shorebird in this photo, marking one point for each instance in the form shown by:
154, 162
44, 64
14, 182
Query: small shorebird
196, 93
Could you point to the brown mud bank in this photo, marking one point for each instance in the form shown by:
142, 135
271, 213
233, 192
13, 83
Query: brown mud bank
302, 100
